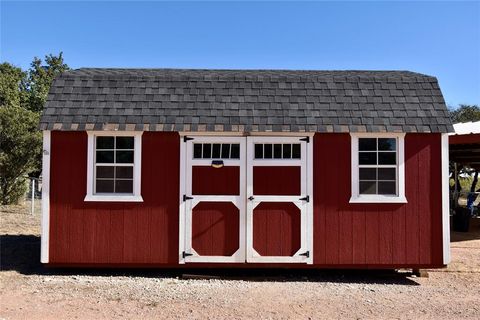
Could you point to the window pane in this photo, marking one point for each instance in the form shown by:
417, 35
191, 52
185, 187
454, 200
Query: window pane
105, 142
197, 151
105, 172
124, 143
123, 186
277, 151
267, 151
287, 151
104, 186
207, 151
367, 144
386, 174
235, 152
387, 187
124, 157
124, 172
367, 158
389, 144
225, 150
258, 151
368, 187
296, 151
216, 151
368, 174
387, 158
104, 157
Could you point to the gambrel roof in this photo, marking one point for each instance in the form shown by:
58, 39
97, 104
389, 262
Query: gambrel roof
245, 101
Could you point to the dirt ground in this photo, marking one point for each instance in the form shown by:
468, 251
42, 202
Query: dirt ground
29, 291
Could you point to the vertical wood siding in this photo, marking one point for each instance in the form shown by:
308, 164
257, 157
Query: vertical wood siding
215, 228
276, 229
377, 234
277, 180
215, 181
349, 235
109, 232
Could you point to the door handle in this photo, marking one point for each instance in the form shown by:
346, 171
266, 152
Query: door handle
251, 198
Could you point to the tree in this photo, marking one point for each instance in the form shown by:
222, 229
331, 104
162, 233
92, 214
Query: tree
465, 113
39, 79
20, 144
11, 85
22, 98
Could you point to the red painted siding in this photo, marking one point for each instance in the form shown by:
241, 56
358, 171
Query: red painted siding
146, 234
377, 234
464, 138
94, 232
215, 228
216, 181
278, 181
276, 229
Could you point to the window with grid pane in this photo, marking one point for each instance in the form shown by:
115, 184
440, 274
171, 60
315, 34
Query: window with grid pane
277, 151
114, 164
377, 166
216, 151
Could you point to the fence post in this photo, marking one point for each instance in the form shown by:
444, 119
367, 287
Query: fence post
33, 197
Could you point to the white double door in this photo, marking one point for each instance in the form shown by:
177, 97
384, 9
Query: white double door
245, 199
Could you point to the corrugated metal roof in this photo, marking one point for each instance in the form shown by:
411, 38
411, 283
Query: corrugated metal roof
466, 127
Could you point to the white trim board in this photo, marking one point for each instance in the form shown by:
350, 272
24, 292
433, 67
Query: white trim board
245, 134
186, 163
137, 168
44, 251
245, 161
305, 227
445, 199
356, 197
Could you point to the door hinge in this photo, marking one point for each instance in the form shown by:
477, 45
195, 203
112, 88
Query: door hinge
185, 254
307, 198
185, 198
306, 139
306, 254
185, 138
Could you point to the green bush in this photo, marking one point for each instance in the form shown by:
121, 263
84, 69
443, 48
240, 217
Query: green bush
20, 143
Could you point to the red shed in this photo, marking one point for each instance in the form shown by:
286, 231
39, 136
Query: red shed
264, 168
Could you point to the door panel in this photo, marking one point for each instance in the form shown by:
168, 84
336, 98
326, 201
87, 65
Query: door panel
277, 206
245, 200
207, 180
215, 228
214, 202
278, 180
285, 219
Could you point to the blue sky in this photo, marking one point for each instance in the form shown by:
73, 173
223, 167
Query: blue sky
436, 38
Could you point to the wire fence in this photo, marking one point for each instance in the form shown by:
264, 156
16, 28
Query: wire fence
33, 197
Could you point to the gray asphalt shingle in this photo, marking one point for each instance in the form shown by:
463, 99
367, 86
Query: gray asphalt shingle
245, 100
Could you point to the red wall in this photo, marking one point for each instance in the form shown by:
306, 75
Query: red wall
377, 234
349, 235
94, 232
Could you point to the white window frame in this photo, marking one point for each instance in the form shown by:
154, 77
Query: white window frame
356, 197
137, 164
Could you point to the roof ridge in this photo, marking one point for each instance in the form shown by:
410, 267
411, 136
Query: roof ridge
247, 73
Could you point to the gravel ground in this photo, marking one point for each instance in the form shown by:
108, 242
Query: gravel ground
28, 291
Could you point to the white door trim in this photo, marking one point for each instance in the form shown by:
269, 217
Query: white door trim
187, 206
304, 206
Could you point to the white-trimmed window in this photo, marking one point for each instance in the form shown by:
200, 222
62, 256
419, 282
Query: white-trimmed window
114, 166
378, 173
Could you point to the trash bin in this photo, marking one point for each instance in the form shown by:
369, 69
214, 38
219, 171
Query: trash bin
461, 219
